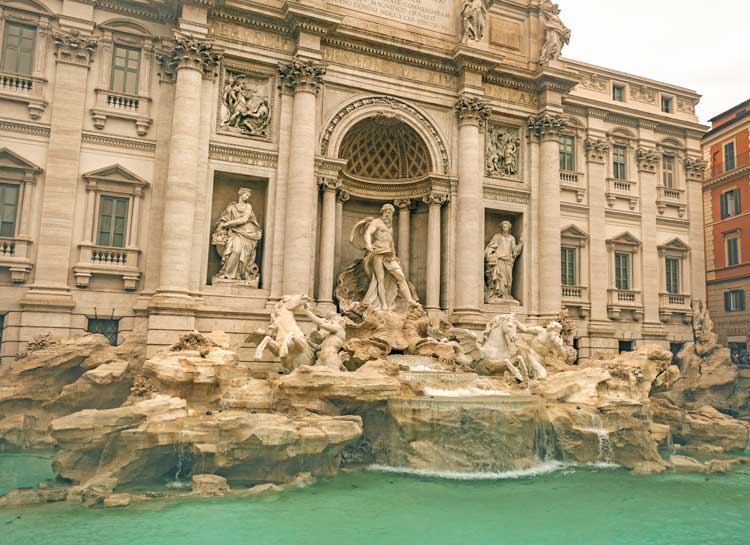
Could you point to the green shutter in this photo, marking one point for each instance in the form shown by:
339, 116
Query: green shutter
8, 209
672, 268
741, 301
727, 301
568, 263
18, 48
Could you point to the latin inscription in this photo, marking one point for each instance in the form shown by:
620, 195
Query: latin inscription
434, 15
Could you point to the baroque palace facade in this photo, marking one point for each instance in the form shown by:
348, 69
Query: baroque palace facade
170, 165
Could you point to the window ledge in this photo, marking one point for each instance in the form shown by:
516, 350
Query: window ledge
26, 89
108, 261
624, 300
674, 303
136, 108
15, 255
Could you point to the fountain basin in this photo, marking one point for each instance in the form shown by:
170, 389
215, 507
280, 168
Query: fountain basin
485, 433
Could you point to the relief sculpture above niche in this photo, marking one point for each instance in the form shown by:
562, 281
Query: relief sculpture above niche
503, 152
245, 104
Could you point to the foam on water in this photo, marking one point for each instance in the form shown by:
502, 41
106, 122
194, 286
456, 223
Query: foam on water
541, 469
463, 392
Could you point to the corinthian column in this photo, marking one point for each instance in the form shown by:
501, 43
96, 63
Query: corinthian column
304, 79
472, 113
404, 232
547, 127
435, 201
327, 241
189, 59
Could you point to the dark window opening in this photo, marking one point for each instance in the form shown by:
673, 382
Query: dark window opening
624, 346
2, 326
108, 328
675, 349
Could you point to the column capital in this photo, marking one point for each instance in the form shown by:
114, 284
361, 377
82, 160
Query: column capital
328, 183
74, 48
342, 195
647, 159
301, 75
472, 110
596, 149
404, 204
546, 125
435, 198
190, 52
694, 168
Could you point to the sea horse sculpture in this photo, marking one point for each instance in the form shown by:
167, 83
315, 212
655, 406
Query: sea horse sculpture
284, 338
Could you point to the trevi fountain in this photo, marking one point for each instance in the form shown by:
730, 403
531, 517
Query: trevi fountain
377, 424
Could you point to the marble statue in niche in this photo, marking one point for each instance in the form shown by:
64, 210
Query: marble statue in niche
380, 265
236, 239
473, 17
503, 152
242, 107
556, 34
500, 255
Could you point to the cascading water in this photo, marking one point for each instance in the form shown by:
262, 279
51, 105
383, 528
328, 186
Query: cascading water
606, 454
183, 467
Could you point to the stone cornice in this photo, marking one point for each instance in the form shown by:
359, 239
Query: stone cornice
303, 17
727, 176
503, 194
162, 12
221, 152
256, 20
99, 139
301, 75
24, 128
398, 189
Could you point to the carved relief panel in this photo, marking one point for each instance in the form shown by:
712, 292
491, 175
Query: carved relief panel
503, 152
245, 103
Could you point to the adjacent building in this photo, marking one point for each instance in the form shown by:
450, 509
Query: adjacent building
726, 203
131, 132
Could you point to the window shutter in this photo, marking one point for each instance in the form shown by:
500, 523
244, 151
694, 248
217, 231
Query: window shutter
737, 203
742, 300
727, 301
723, 200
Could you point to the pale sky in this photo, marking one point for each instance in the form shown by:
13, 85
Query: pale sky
703, 45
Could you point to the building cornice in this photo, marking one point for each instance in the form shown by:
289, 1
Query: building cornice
727, 177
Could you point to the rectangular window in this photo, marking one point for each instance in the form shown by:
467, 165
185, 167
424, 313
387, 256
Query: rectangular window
567, 153
622, 271
126, 64
734, 300
624, 346
108, 328
672, 269
729, 162
568, 256
2, 326
8, 209
113, 221
618, 93
733, 251
730, 203
668, 171
666, 105
18, 48
619, 162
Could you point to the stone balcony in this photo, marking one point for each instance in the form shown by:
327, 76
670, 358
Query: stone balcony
26, 89
573, 182
670, 197
622, 189
624, 301
108, 261
124, 106
576, 297
675, 303
15, 255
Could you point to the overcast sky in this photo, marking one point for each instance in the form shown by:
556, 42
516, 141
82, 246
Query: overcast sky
699, 44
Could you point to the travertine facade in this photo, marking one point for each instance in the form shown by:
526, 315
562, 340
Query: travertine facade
128, 129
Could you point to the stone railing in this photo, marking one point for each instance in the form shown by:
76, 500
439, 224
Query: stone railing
15, 255
568, 177
122, 105
621, 189
574, 293
625, 298
675, 303
106, 260
668, 196
26, 89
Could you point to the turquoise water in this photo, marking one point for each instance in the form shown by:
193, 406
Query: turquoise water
573, 506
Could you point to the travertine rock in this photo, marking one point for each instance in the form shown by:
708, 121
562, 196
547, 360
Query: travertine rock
685, 464
117, 500
209, 485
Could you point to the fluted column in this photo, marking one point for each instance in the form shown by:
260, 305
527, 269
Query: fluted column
304, 79
189, 58
434, 201
472, 113
404, 232
327, 240
547, 127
